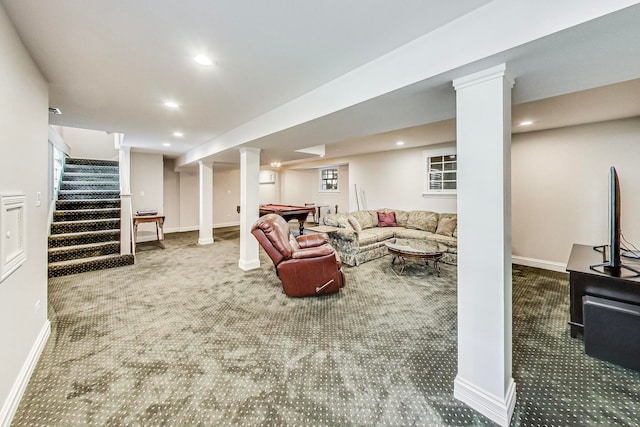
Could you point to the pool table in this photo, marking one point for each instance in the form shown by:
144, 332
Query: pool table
289, 212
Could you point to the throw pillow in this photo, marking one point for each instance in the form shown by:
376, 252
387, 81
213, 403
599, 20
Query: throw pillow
446, 226
331, 219
401, 218
423, 220
387, 219
355, 224
366, 219
343, 222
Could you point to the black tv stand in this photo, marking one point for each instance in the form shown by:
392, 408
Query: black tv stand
584, 280
605, 268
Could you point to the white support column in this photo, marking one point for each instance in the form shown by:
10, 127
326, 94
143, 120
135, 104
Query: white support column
484, 380
127, 244
249, 207
205, 219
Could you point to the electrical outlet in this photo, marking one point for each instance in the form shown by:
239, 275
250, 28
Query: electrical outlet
38, 305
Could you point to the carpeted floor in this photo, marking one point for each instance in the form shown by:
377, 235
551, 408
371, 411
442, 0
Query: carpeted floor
184, 337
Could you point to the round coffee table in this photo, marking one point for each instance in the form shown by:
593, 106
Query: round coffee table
411, 248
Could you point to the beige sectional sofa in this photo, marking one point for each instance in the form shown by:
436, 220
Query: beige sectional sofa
361, 236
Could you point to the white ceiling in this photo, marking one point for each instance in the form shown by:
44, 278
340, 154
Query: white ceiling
111, 65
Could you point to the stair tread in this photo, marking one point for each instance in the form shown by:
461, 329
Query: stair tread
85, 246
72, 182
88, 191
91, 174
85, 233
85, 221
88, 200
82, 260
70, 211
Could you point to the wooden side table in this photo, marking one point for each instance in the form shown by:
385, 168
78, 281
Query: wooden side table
157, 219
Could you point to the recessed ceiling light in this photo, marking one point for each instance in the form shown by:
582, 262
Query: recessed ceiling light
166, 144
171, 104
203, 60
526, 123
178, 134
400, 143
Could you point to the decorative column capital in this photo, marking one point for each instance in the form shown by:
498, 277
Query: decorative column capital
499, 71
249, 150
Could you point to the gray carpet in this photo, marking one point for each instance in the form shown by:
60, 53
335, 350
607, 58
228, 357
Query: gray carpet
184, 337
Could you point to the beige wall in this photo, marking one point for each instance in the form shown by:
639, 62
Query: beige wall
270, 192
181, 196
170, 192
300, 186
181, 200
23, 168
393, 179
89, 144
226, 196
147, 189
189, 200
559, 187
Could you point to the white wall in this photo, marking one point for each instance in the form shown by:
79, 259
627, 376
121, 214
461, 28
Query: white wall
89, 144
23, 168
147, 189
560, 187
393, 179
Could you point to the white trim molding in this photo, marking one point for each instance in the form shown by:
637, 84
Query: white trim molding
13, 233
10, 405
540, 263
499, 71
196, 228
181, 229
248, 265
496, 409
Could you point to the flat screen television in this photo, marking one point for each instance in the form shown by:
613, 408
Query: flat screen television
612, 262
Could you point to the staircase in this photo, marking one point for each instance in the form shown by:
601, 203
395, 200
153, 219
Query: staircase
85, 233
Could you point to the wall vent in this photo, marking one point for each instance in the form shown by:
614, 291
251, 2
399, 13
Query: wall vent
55, 110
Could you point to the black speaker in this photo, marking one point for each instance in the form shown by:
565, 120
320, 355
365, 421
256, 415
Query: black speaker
612, 331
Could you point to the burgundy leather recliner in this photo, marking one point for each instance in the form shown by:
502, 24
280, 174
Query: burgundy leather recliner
306, 265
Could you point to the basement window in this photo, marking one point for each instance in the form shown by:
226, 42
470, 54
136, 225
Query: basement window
329, 180
440, 172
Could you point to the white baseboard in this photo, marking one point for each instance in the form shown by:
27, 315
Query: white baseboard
196, 227
247, 265
10, 406
539, 263
497, 410
181, 229
226, 224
